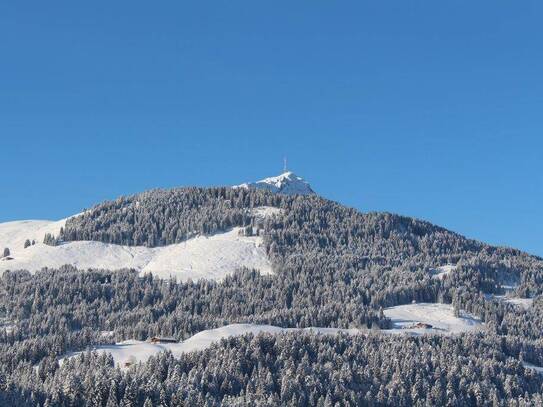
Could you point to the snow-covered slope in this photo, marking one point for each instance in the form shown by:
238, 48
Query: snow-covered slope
287, 183
211, 257
524, 303
509, 297
439, 316
14, 234
133, 351
442, 271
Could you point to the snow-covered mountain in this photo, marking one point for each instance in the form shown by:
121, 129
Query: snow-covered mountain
287, 183
211, 257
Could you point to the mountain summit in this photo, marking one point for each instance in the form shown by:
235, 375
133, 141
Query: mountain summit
287, 183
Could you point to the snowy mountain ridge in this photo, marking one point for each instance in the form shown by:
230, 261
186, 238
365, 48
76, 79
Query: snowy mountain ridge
286, 183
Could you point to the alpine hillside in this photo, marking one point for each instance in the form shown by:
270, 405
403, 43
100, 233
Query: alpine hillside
255, 287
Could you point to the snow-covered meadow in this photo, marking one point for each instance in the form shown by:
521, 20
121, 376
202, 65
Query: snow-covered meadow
210, 257
440, 316
132, 351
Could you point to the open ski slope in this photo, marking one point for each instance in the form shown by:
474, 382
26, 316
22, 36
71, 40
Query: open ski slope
210, 257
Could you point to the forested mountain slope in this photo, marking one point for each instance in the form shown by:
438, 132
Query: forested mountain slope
333, 266
308, 231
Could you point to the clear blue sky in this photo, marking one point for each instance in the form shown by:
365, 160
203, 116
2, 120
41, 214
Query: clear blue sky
424, 108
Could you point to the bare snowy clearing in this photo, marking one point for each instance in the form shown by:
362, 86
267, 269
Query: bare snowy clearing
210, 257
442, 271
439, 316
538, 369
263, 212
509, 288
14, 234
6, 324
525, 303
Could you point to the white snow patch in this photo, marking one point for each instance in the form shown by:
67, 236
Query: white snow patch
6, 324
509, 287
525, 303
538, 369
442, 271
263, 212
14, 234
439, 316
286, 183
211, 257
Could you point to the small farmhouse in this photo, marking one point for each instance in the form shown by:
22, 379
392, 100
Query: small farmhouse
163, 339
422, 325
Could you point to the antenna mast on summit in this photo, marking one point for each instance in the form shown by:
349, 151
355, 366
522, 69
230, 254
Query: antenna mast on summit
284, 164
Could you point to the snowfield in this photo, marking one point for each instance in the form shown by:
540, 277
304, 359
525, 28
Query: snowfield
442, 271
525, 303
14, 234
439, 316
210, 257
